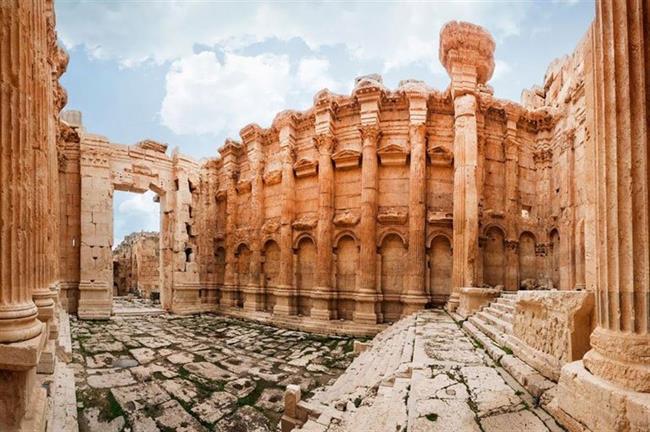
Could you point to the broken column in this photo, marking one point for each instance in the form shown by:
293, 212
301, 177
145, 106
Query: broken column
610, 388
467, 52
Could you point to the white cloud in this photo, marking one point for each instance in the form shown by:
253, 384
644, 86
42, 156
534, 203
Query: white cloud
397, 34
501, 69
134, 212
205, 95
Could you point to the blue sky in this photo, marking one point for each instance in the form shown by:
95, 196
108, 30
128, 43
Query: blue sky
191, 73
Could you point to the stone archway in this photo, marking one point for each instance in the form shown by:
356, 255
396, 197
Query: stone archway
105, 167
305, 262
440, 269
347, 264
494, 257
271, 272
393, 267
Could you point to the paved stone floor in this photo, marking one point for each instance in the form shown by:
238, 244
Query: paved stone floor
206, 372
425, 374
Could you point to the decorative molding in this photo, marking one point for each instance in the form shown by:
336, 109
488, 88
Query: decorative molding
346, 158
244, 186
305, 223
346, 218
306, 168
272, 177
438, 217
271, 226
440, 155
393, 154
392, 215
152, 145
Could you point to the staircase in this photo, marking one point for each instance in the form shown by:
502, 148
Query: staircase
496, 319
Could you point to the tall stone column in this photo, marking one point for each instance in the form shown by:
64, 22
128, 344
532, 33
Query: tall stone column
285, 295
322, 298
252, 138
367, 289
467, 52
512, 208
229, 153
610, 388
26, 111
414, 296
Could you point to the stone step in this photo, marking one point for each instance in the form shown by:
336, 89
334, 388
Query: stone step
503, 307
502, 325
505, 316
506, 301
492, 332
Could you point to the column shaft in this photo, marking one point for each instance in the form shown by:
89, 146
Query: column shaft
285, 301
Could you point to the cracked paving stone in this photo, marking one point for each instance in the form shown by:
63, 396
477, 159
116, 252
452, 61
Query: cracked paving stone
523, 420
215, 407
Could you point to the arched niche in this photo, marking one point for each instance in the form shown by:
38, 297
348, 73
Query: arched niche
527, 257
271, 272
393, 267
494, 258
305, 272
554, 237
440, 268
347, 265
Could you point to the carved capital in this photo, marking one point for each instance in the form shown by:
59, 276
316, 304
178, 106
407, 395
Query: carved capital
325, 143
417, 131
370, 132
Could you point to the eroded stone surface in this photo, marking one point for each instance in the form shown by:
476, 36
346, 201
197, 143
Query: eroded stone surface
195, 373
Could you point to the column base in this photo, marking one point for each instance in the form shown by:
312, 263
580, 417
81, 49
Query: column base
252, 298
285, 304
365, 309
453, 302
585, 402
321, 304
95, 301
412, 303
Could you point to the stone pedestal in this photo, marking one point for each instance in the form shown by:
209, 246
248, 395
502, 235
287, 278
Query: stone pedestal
472, 300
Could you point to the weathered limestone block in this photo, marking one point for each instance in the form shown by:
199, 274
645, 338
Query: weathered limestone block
473, 300
552, 328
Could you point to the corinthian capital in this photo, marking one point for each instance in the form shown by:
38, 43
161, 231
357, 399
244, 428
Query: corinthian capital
324, 143
372, 132
417, 131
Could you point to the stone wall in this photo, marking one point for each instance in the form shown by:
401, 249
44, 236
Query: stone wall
136, 263
365, 207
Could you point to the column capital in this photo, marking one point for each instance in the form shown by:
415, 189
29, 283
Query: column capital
370, 132
324, 143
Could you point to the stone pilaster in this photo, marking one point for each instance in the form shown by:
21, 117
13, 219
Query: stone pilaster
322, 297
252, 138
512, 209
467, 52
229, 153
609, 389
415, 296
285, 295
26, 132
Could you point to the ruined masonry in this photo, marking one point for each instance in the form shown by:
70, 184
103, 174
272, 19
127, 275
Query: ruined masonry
528, 222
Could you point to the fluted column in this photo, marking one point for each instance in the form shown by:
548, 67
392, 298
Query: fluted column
621, 342
285, 291
414, 296
467, 52
26, 133
367, 288
322, 297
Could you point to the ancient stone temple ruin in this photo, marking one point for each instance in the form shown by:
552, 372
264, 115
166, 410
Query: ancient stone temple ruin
136, 263
524, 226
